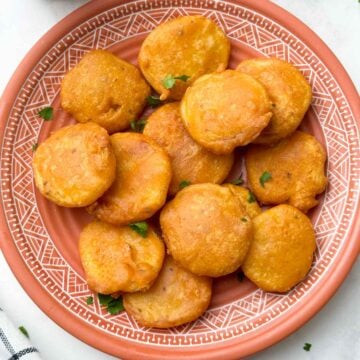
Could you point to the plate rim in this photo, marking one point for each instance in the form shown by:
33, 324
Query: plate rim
308, 308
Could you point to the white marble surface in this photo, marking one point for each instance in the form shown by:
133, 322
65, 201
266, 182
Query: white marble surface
334, 332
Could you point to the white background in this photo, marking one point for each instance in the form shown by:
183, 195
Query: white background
334, 332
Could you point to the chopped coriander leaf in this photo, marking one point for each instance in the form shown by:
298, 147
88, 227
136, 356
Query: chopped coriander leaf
169, 81
240, 276
113, 306
46, 113
104, 299
89, 300
307, 346
138, 125
244, 219
182, 78
184, 184
251, 198
140, 227
24, 331
266, 176
238, 181
153, 101
34, 147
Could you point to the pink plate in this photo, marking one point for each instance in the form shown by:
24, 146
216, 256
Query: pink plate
39, 239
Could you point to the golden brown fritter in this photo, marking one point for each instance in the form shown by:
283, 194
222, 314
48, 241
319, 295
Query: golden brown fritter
75, 165
188, 45
296, 166
177, 297
224, 110
143, 174
189, 161
117, 258
288, 90
282, 251
251, 206
206, 230
104, 89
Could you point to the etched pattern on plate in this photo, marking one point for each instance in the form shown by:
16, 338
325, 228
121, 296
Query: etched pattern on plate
118, 24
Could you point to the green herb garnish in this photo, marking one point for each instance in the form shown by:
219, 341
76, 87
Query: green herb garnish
184, 184
113, 306
244, 219
138, 125
238, 181
169, 80
34, 147
307, 347
46, 113
251, 198
153, 101
89, 300
266, 176
140, 227
24, 331
104, 300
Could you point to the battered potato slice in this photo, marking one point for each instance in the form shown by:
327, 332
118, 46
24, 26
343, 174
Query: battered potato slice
188, 45
189, 161
177, 297
75, 165
143, 174
251, 206
282, 251
118, 258
104, 89
206, 230
288, 90
294, 169
224, 110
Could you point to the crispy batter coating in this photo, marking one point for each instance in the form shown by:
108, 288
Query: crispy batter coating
75, 165
296, 165
117, 258
188, 45
104, 89
224, 110
143, 174
281, 253
177, 297
288, 90
189, 161
252, 208
206, 230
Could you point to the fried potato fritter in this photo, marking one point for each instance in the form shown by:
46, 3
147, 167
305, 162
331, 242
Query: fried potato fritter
289, 92
104, 89
296, 165
75, 165
206, 230
281, 253
188, 45
224, 110
189, 161
177, 297
118, 258
251, 206
143, 174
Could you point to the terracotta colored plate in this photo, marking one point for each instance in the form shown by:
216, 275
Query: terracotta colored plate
39, 240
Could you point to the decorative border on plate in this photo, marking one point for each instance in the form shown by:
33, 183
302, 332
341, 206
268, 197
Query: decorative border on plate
118, 24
